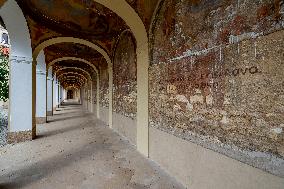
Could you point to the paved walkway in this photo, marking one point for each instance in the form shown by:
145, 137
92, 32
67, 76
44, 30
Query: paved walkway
74, 151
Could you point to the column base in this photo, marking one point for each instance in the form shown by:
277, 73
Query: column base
17, 137
49, 113
40, 120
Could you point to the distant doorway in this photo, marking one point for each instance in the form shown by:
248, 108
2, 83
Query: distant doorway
70, 94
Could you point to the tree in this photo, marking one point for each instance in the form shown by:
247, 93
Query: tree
4, 77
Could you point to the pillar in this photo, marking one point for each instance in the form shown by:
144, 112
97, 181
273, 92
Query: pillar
49, 91
41, 89
34, 99
21, 99
55, 93
62, 94
58, 94
91, 97
98, 96
110, 72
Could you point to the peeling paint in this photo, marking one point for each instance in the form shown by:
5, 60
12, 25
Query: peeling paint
227, 63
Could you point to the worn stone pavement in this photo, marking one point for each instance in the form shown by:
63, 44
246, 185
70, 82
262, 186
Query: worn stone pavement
75, 151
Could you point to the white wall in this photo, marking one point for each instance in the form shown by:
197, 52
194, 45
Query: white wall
41, 86
49, 90
20, 110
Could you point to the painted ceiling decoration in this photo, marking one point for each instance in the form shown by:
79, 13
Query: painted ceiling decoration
72, 72
73, 50
66, 64
84, 19
72, 18
75, 17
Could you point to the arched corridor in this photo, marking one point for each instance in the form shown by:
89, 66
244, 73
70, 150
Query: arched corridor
142, 94
73, 150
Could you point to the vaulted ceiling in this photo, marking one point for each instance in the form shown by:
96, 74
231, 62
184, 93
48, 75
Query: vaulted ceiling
84, 19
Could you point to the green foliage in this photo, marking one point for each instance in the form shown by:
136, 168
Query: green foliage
4, 78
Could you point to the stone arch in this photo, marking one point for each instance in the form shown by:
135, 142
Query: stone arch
90, 64
89, 75
71, 87
134, 22
117, 41
57, 40
75, 59
68, 78
21, 112
75, 73
17, 28
89, 79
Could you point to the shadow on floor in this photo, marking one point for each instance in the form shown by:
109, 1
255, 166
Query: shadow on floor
64, 118
62, 130
38, 170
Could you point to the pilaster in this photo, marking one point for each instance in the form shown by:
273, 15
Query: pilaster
21, 99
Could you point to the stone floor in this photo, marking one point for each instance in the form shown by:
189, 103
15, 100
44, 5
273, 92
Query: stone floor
75, 151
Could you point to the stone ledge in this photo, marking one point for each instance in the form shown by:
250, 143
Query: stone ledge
17, 137
40, 120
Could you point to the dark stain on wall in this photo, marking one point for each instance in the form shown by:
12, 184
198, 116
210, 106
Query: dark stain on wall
125, 76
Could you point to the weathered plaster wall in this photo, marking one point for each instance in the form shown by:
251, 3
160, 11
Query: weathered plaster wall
125, 77
216, 77
94, 87
104, 97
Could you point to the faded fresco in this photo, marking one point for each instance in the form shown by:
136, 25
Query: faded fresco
73, 50
125, 77
216, 73
83, 19
39, 33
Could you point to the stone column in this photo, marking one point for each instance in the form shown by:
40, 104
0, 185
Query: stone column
41, 92
21, 98
91, 97
80, 98
86, 97
49, 92
98, 96
58, 94
61, 94
55, 93
34, 99
110, 72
